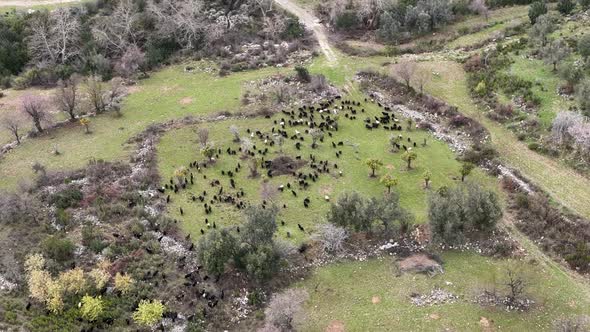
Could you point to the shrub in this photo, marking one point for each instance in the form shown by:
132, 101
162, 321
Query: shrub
330, 237
303, 74
66, 198
347, 20
149, 312
284, 308
565, 7
58, 248
537, 9
293, 29
91, 308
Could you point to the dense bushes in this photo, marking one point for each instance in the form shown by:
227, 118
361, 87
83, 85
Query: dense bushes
253, 250
454, 213
358, 214
555, 231
58, 248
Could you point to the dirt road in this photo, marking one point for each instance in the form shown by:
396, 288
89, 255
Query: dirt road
312, 23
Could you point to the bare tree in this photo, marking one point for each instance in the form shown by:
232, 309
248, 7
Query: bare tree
516, 285
35, 108
562, 123
422, 77
95, 93
330, 237
55, 37
369, 12
13, 123
66, 96
480, 7
203, 136
273, 26
284, 308
119, 30
405, 70
115, 95
182, 19
131, 62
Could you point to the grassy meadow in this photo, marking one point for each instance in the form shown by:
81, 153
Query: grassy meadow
178, 148
372, 296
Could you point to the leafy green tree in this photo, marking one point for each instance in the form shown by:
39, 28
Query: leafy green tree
91, 308
349, 212
374, 165
541, 29
555, 52
388, 212
454, 212
388, 181
482, 208
390, 29
260, 226
585, 4
262, 262
571, 73
408, 157
565, 7
149, 312
584, 46
208, 152
537, 9
216, 249
466, 169
445, 216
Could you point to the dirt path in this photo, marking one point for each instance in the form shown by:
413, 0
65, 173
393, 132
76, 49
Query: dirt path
32, 3
313, 23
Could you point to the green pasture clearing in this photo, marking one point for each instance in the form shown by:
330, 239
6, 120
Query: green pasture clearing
168, 94
501, 17
486, 34
178, 148
564, 184
346, 292
545, 84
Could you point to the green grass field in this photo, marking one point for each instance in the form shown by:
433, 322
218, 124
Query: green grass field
564, 184
178, 148
344, 293
545, 85
169, 94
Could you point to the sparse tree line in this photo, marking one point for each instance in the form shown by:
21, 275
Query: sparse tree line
568, 57
76, 97
126, 37
396, 21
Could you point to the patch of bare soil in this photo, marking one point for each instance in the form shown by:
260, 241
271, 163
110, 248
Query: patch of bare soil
285, 165
420, 263
186, 101
487, 325
335, 326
